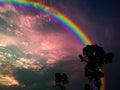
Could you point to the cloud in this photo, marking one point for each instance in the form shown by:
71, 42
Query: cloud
8, 80
45, 79
7, 7
34, 46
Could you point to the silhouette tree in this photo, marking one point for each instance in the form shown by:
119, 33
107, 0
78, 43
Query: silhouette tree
87, 87
58, 79
61, 80
95, 57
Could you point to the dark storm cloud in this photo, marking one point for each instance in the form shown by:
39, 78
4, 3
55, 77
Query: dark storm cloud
100, 19
103, 23
45, 79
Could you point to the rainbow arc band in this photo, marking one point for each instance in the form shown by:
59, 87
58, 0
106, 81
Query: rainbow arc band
68, 24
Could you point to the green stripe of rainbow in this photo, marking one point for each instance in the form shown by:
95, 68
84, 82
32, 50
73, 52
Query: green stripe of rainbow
77, 31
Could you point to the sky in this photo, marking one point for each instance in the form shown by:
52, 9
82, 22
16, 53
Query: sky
34, 47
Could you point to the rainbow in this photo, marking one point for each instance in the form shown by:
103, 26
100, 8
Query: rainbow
59, 17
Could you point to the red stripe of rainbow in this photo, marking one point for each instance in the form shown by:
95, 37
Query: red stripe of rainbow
61, 18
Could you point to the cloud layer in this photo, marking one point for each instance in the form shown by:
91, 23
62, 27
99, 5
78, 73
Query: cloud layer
35, 43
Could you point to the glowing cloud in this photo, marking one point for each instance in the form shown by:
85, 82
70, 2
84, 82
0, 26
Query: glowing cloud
8, 80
